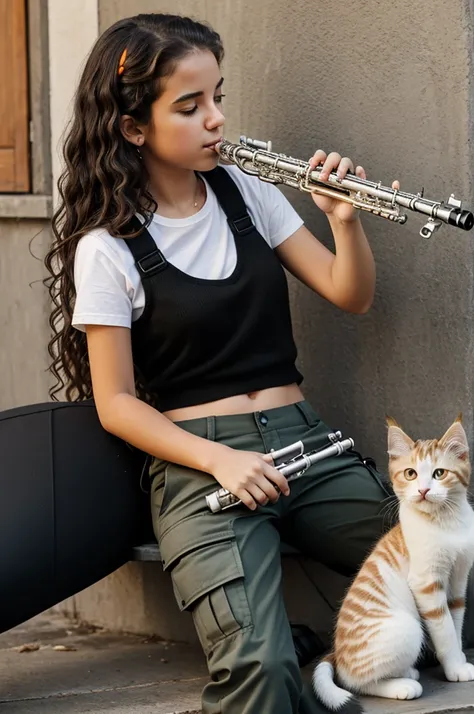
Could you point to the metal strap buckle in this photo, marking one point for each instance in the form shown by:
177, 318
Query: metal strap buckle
241, 225
153, 261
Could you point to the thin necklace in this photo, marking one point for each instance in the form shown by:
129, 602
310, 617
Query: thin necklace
196, 193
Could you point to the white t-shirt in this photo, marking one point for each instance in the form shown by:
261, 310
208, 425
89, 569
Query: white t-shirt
108, 286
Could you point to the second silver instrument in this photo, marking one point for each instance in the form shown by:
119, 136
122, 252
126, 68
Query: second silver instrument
257, 158
291, 461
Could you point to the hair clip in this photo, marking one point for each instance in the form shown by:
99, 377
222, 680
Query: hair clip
122, 62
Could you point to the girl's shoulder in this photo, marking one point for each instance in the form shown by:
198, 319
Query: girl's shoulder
99, 242
99, 239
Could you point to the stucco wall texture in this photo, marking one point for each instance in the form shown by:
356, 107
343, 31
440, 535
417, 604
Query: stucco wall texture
389, 84
24, 312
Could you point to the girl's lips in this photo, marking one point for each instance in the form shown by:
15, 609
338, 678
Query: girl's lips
213, 144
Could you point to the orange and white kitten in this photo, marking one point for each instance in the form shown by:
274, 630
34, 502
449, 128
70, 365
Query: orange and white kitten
415, 577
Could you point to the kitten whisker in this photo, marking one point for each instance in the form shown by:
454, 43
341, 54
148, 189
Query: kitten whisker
389, 512
389, 505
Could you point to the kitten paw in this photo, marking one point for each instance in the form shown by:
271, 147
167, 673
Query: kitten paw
407, 689
412, 673
461, 673
397, 688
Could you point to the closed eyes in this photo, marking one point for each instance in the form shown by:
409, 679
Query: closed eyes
190, 112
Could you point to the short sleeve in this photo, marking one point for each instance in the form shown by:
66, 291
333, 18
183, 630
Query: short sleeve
102, 295
281, 218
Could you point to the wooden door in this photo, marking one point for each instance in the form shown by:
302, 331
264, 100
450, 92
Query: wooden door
14, 120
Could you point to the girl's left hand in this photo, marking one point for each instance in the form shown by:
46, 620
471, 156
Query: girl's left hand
345, 212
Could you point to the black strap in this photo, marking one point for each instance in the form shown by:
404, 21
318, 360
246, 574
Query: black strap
148, 258
231, 201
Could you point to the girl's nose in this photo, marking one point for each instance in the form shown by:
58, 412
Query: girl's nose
215, 120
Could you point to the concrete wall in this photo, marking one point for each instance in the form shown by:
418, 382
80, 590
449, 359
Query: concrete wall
73, 27
388, 84
24, 312
24, 237
60, 35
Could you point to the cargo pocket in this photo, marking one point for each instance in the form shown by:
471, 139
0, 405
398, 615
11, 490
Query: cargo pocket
208, 578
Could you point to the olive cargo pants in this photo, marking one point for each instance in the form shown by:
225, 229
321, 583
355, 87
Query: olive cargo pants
226, 567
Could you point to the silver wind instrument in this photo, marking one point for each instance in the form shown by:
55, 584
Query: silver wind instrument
256, 158
291, 462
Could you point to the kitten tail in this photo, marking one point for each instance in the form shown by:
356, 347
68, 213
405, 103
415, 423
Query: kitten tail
333, 697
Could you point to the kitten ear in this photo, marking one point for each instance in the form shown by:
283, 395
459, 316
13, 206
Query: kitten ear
399, 443
391, 421
455, 440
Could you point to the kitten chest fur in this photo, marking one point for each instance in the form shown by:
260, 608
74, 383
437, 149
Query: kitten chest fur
434, 545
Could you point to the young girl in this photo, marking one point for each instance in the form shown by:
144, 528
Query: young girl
171, 309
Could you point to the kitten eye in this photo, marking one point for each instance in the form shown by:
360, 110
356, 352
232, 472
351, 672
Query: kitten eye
439, 473
410, 474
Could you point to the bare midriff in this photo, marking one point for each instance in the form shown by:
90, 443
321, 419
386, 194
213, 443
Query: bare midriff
241, 403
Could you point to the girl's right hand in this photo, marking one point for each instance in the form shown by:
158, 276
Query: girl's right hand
250, 476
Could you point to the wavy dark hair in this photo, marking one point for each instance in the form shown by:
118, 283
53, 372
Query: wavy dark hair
104, 182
